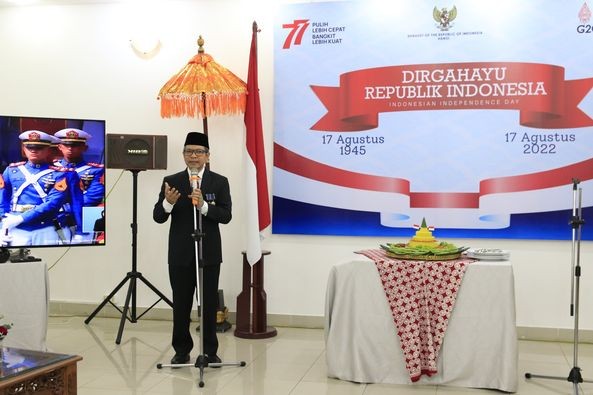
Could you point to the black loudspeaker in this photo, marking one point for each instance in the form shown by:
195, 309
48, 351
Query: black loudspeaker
136, 151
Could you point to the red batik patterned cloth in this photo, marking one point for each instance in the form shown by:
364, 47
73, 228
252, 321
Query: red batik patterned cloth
421, 295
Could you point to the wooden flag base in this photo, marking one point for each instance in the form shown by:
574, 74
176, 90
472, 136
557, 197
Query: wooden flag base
257, 328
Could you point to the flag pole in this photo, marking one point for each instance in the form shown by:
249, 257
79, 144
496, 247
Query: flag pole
258, 213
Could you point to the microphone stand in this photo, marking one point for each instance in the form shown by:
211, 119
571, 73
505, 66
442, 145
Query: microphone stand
576, 222
201, 361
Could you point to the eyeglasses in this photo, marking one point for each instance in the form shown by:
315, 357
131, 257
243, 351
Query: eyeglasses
197, 152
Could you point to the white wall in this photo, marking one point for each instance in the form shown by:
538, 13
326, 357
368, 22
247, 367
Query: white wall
76, 61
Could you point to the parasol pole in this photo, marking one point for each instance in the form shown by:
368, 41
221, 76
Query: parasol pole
204, 118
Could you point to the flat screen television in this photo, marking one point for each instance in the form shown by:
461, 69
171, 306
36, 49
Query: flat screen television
52, 185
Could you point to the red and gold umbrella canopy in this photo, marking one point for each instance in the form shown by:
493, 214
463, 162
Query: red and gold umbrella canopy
203, 88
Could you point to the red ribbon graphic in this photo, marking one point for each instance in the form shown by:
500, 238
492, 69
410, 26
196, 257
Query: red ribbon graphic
297, 164
539, 91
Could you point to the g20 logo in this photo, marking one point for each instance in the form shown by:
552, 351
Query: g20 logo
585, 29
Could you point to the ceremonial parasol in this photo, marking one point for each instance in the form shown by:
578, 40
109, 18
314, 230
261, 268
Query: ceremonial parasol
203, 88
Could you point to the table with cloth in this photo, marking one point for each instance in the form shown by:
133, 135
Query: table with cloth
24, 302
475, 346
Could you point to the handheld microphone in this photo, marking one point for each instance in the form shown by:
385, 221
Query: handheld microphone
194, 182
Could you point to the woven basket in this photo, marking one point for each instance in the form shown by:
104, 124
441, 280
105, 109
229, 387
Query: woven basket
423, 257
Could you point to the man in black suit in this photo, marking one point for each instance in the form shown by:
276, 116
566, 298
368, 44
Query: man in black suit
178, 200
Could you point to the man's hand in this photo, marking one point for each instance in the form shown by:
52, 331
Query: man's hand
11, 221
171, 194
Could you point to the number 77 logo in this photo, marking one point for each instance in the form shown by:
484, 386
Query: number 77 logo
297, 27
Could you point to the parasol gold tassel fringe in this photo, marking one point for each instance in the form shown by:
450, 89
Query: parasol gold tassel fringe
179, 105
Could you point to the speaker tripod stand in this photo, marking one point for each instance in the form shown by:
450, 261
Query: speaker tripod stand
201, 361
133, 276
576, 222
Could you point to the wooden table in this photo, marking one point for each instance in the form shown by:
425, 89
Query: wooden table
28, 372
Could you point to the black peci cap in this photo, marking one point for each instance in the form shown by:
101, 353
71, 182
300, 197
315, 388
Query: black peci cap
195, 138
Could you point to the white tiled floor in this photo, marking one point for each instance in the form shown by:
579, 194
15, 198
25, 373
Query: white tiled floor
292, 363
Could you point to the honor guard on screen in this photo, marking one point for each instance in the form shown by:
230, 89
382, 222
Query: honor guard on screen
32, 193
72, 145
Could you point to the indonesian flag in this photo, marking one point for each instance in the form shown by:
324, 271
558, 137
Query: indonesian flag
256, 190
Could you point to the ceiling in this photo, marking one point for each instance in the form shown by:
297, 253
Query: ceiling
14, 3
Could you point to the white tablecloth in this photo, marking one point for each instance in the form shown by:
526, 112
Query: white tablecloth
480, 345
24, 301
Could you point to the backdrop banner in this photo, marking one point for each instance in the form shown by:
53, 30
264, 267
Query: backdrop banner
479, 122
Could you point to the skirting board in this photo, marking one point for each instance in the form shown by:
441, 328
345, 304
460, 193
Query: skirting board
57, 308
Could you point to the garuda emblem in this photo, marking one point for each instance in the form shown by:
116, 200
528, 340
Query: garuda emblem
444, 17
